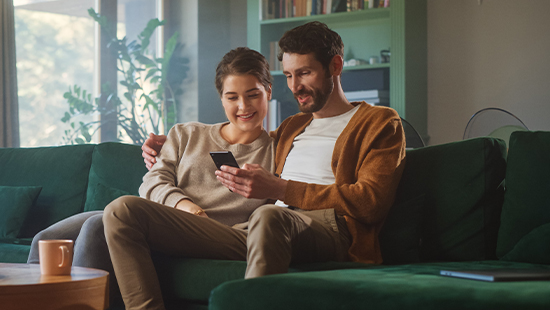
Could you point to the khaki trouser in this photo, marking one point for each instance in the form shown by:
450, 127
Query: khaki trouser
272, 239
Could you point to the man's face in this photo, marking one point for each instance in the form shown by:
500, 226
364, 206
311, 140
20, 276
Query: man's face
310, 83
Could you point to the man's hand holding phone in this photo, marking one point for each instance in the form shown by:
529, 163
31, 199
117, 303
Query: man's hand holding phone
252, 181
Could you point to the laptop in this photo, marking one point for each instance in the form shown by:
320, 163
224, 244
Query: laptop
500, 275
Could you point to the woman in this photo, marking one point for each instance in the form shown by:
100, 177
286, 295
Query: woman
183, 178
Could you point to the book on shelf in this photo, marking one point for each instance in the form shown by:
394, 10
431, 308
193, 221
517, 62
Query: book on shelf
274, 63
273, 9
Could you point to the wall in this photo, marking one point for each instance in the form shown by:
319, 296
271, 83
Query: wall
219, 24
208, 29
493, 54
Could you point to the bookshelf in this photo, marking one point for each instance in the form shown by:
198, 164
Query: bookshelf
401, 28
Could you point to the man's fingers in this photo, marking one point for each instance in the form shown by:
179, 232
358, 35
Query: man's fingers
160, 139
148, 150
148, 158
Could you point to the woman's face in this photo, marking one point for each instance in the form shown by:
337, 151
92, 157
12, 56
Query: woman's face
245, 101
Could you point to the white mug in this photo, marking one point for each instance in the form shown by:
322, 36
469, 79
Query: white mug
56, 257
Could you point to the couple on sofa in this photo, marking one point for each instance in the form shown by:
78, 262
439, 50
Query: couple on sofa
339, 165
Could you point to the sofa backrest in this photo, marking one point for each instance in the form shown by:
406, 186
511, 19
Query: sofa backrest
524, 234
62, 172
448, 203
117, 169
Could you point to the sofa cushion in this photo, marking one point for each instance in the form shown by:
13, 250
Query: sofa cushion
400, 235
532, 248
117, 168
416, 286
62, 172
14, 250
526, 208
102, 196
462, 187
15, 202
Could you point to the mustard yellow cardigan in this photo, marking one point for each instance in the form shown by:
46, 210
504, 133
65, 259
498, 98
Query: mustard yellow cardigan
367, 162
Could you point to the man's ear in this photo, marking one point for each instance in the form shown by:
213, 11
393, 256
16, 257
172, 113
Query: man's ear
336, 65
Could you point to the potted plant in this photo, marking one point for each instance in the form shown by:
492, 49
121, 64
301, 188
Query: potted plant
151, 86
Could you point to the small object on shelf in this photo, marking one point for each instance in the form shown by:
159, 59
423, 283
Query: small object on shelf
373, 60
355, 62
385, 56
373, 96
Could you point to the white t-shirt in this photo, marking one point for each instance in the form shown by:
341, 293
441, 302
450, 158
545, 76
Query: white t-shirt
310, 158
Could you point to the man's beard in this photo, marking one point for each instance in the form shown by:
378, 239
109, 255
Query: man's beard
319, 96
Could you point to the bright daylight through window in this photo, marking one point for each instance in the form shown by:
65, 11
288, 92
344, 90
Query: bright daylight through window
56, 50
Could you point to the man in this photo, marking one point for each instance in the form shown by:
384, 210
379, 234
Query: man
339, 162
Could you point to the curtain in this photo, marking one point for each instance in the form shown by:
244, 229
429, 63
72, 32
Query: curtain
9, 108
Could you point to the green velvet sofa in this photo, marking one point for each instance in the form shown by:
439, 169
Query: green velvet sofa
451, 212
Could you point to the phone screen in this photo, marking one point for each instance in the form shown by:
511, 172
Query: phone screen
224, 158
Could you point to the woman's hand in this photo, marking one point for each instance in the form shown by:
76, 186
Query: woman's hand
188, 206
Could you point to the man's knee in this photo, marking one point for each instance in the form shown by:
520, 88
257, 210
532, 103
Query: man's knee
268, 215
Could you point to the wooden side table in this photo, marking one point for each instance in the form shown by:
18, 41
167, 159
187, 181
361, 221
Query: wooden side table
23, 287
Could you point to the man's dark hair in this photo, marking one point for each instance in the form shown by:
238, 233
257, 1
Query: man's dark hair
241, 61
314, 37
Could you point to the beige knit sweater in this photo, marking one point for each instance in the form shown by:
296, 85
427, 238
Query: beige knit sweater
184, 169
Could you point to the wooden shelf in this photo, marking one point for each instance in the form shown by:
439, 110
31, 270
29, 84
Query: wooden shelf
349, 68
401, 28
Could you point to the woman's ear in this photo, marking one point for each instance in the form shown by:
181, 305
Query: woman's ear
269, 93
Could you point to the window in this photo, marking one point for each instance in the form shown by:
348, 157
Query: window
57, 47
54, 49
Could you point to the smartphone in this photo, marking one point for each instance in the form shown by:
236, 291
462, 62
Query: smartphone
224, 158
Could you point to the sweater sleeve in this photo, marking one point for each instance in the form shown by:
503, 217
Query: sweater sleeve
367, 172
160, 183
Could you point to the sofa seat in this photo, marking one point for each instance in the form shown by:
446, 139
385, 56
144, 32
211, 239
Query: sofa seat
14, 250
413, 286
193, 279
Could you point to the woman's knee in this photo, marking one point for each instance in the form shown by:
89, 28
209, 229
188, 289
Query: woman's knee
121, 207
124, 211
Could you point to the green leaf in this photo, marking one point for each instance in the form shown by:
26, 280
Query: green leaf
144, 60
128, 96
66, 118
146, 34
79, 141
150, 102
151, 72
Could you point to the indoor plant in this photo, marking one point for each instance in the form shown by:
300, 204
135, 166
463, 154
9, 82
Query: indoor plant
151, 86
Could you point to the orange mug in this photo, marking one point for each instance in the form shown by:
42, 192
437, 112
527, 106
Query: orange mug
56, 257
